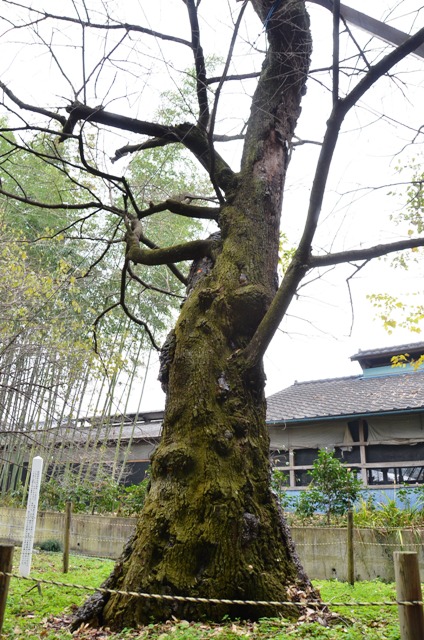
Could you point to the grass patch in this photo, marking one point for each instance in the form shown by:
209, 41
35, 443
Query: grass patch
39, 612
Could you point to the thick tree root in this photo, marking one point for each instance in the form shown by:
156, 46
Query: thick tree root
300, 590
91, 612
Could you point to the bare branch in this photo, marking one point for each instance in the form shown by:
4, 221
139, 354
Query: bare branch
188, 135
332, 134
151, 287
199, 61
336, 49
152, 143
125, 26
302, 260
218, 93
96, 322
371, 25
31, 107
180, 208
171, 267
130, 315
178, 253
62, 205
242, 76
355, 255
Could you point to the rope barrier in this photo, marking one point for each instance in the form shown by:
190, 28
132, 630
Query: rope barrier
341, 543
199, 600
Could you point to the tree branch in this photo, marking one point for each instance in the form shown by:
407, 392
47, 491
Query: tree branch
31, 107
355, 255
154, 143
302, 261
336, 49
241, 76
182, 209
177, 273
178, 253
126, 26
187, 134
64, 205
151, 287
218, 93
340, 109
130, 315
199, 61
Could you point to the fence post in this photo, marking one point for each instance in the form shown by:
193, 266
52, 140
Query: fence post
6, 556
350, 556
67, 537
408, 588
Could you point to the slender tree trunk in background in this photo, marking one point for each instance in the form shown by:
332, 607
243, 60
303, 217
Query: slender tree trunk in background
211, 526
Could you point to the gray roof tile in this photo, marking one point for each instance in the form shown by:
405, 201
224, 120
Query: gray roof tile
355, 395
415, 347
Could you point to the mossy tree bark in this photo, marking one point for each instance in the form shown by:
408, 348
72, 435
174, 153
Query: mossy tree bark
211, 526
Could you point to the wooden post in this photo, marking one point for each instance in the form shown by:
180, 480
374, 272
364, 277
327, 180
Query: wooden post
350, 557
67, 537
408, 588
6, 557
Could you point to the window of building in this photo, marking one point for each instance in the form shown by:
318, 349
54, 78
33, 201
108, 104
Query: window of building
395, 475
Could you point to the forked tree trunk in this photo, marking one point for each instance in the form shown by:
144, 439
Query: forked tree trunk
211, 526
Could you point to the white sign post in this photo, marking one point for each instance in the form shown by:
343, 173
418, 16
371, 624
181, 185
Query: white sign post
31, 516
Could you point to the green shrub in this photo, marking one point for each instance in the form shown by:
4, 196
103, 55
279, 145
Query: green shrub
386, 514
131, 498
279, 483
50, 545
333, 490
101, 495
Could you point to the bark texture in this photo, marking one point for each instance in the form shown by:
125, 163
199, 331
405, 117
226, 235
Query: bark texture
211, 526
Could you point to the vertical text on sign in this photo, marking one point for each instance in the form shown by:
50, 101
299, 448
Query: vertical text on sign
31, 516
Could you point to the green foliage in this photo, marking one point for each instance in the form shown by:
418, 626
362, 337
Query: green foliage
97, 495
286, 253
333, 489
412, 214
131, 498
51, 545
279, 483
385, 514
39, 305
37, 613
398, 314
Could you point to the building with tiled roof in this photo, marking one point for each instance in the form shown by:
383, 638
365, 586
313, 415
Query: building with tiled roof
373, 421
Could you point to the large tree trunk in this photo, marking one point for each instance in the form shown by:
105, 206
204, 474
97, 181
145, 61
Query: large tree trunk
211, 526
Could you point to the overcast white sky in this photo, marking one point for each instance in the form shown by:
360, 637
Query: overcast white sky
317, 337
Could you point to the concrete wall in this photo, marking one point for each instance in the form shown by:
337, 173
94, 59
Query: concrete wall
322, 550
102, 536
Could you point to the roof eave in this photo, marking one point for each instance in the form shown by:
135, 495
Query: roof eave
345, 416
